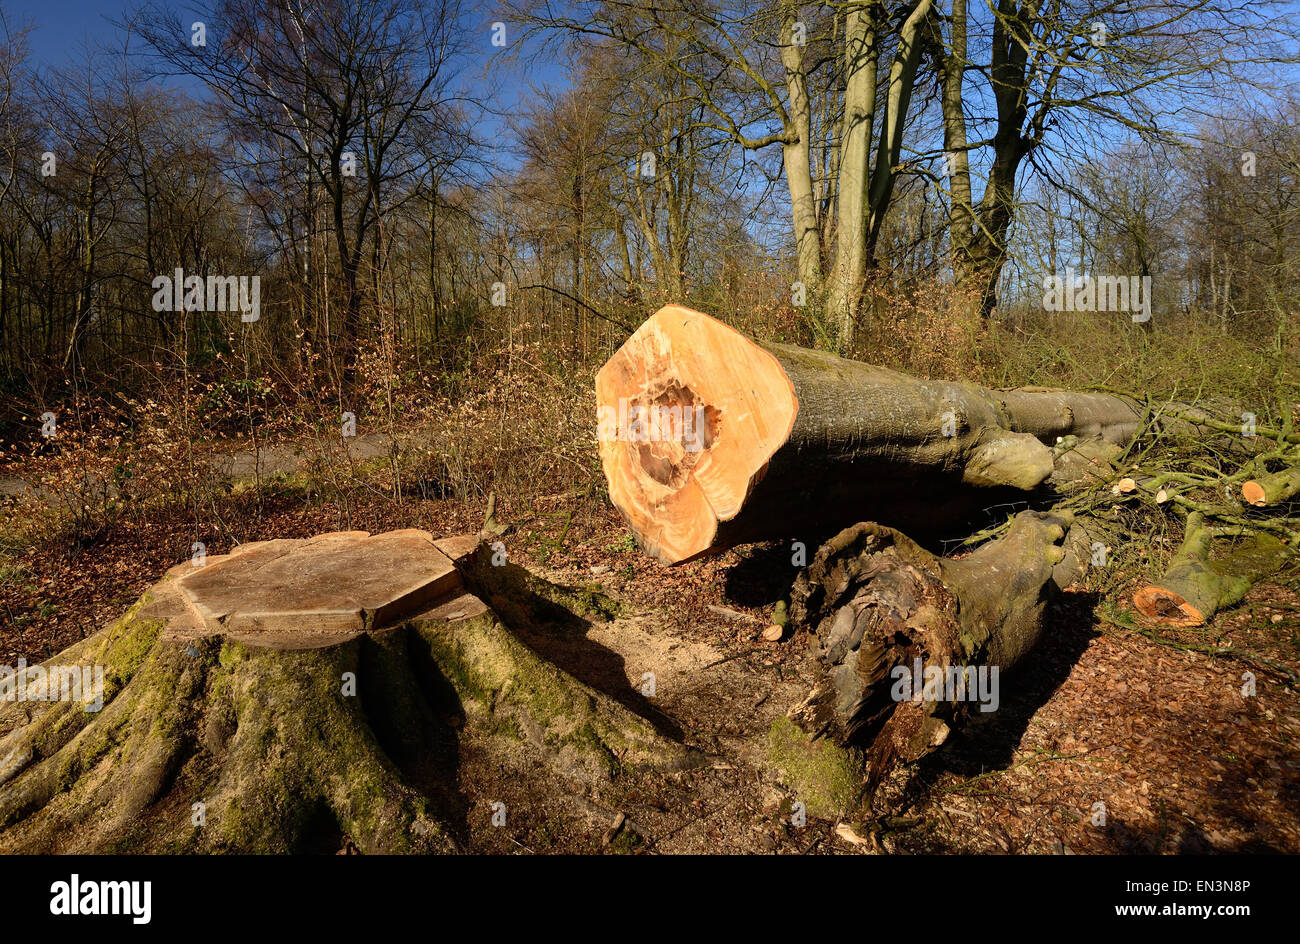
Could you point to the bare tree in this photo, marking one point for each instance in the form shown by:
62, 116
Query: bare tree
340, 86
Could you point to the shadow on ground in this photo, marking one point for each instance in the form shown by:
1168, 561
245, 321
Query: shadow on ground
990, 745
546, 617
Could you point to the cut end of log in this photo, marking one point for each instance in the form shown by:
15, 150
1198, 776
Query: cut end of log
689, 412
1167, 607
709, 439
1253, 494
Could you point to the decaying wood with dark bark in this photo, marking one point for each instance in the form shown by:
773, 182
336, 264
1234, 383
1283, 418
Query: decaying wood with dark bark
880, 606
709, 439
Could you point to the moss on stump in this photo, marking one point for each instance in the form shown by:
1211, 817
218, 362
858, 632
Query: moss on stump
207, 743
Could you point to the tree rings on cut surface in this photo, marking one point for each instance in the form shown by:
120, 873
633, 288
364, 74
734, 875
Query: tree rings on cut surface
690, 411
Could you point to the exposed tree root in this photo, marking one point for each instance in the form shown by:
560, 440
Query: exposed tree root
881, 606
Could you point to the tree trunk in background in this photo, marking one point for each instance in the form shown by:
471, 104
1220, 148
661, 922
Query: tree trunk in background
862, 59
978, 235
796, 154
957, 158
866, 192
577, 254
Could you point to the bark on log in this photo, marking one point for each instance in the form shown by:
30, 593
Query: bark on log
1272, 489
1196, 586
881, 606
710, 439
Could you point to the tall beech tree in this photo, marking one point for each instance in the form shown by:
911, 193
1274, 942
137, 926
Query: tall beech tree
859, 94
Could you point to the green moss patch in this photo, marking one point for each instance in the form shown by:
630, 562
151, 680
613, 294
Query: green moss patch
825, 778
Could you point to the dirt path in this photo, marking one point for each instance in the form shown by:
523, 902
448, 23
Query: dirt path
247, 464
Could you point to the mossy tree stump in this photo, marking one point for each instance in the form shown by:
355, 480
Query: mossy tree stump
296, 690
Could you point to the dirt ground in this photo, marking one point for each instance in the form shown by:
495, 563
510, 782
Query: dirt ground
1111, 738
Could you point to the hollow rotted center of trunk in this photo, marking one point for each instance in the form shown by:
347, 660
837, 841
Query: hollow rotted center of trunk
671, 430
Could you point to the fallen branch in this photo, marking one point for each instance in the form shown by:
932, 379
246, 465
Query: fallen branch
1272, 489
1195, 587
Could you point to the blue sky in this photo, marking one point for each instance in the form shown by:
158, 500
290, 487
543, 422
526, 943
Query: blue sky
63, 28
63, 31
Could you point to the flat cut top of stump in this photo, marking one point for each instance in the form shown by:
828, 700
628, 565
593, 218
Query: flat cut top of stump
317, 591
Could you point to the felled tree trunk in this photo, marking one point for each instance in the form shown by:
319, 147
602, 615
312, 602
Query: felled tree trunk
910, 644
709, 439
227, 725
1199, 583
